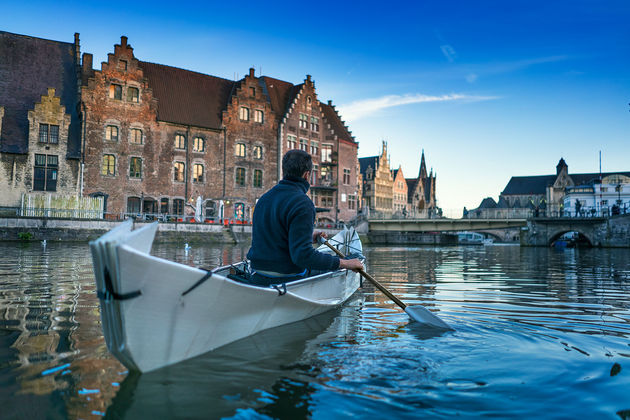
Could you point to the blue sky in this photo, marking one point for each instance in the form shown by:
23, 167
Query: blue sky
489, 89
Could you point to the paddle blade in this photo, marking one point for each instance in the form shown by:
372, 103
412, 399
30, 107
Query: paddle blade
424, 316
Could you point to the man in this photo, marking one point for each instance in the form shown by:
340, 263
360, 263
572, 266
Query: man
283, 234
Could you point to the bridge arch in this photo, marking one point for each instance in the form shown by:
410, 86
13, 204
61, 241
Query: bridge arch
582, 238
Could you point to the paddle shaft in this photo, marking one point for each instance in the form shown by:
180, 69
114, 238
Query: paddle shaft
378, 285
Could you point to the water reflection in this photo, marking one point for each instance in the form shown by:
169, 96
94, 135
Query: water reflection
539, 332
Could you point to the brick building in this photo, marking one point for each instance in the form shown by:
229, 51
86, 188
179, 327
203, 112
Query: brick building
39, 121
400, 192
151, 138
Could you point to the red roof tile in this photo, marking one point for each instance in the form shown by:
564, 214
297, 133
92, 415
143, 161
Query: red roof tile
187, 97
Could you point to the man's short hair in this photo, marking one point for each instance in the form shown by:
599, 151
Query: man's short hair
296, 162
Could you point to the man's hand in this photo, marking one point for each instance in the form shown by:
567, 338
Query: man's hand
354, 264
317, 234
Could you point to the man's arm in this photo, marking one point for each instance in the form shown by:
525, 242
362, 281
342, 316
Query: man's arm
354, 264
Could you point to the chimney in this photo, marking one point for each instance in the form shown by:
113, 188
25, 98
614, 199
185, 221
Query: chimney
252, 72
329, 102
308, 77
123, 41
87, 63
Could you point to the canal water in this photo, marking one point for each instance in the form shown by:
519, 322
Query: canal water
538, 333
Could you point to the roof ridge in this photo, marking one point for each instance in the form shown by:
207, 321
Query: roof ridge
188, 71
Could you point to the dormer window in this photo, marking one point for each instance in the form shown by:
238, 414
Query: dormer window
133, 94
115, 91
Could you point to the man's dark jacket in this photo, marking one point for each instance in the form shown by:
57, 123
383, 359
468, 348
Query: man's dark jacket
283, 231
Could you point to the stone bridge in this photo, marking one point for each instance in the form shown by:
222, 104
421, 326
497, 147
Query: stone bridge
599, 231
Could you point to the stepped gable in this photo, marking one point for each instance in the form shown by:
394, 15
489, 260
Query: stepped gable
29, 66
281, 94
187, 97
337, 125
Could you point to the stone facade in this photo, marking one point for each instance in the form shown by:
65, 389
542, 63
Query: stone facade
400, 192
378, 183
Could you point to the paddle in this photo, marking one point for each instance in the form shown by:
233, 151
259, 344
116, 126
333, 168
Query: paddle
417, 312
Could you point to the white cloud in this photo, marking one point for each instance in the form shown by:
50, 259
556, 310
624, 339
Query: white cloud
449, 52
365, 107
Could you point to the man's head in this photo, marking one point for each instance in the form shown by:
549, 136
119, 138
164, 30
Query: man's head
295, 163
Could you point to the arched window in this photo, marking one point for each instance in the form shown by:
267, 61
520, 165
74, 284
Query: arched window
244, 113
257, 178
257, 152
180, 141
240, 176
111, 133
240, 150
198, 173
179, 169
108, 167
135, 136
199, 144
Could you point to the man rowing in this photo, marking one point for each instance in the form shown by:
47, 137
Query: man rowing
283, 235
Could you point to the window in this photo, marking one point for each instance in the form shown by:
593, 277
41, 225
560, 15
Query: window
303, 144
352, 202
325, 171
291, 141
259, 116
45, 173
115, 91
108, 168
180, 141
346, 177
133, 94
314, 173
135, 136
111, 133
179, 169
164, 206
604, 189
133, 205
326, 199
198, 173
257, 152
240, 176
314, 148
303, 121
240, 149
122, 65
327, 153
252, 91
135, 167
257, 178
314, 123
48, 133
178, 206
199, 144
244, 113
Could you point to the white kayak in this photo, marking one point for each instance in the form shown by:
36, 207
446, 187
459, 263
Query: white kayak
157, 312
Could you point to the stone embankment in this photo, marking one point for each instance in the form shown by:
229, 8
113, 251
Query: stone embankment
73, 230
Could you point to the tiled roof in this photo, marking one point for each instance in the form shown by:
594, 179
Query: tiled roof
280, 94
488, 203
187, 97
335, 122
536, 185
368, 161
28, 67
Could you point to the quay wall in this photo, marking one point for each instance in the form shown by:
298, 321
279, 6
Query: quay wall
72, 230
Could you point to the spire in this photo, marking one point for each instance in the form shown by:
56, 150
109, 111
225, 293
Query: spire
423, 167
560, 166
